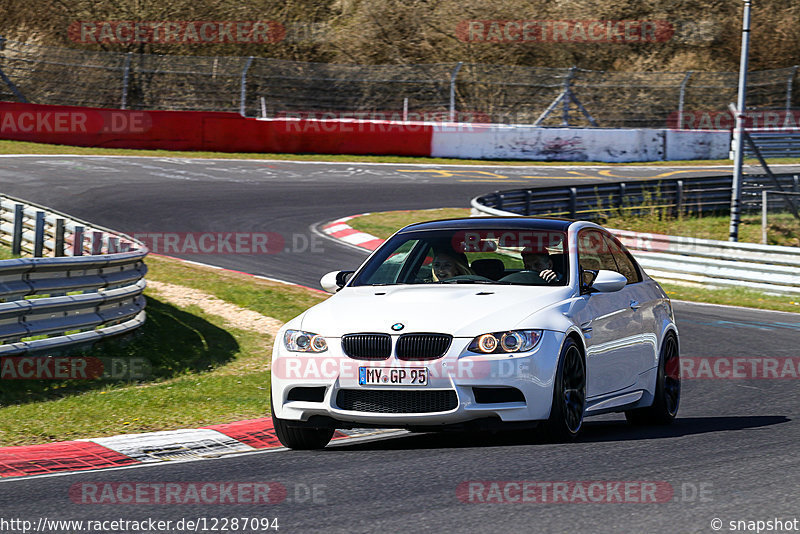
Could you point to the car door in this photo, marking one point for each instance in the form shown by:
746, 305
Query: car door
644, 299
611, 325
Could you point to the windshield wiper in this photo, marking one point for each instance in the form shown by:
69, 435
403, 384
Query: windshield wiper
465, 281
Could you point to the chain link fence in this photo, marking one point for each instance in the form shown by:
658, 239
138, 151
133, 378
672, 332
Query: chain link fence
257, 86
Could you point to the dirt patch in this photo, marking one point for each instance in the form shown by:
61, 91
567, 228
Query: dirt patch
235, 316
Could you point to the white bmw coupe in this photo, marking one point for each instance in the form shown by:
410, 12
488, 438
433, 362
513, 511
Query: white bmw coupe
478, 323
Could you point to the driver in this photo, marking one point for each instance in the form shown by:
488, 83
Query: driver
542, 264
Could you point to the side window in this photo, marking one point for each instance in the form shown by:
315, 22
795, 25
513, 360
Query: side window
625, 264
593, 252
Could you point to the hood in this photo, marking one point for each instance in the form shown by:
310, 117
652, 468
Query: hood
459, 310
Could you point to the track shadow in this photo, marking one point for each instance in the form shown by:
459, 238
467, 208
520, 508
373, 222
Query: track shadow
171, 342
593, 432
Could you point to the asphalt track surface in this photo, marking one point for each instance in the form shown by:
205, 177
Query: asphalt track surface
732, 454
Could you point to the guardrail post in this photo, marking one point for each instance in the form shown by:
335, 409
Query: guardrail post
528, 202
16, 237
679, 198
622, 189
499, 200
573, 202
59, 248
97, 243
77, 241
38, 235
764, 216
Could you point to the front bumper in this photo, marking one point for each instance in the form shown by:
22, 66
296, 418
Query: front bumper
458, 371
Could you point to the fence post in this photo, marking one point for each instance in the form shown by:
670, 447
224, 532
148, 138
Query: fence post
527, 202
97, 243
126, 71
789, 83
453, 91
573, 202
567, 92
38, 235
622, 190
764, 216
16, 237
682, 97
679, 198
59, 248
77, 241
243, 86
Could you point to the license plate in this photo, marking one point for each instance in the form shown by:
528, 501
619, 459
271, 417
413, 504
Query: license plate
393, 376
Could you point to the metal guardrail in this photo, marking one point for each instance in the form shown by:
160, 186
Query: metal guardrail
54, 303
776, 144
772, 269
683, 196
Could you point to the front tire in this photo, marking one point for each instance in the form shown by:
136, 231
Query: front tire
569, 395
668, 389
299, 437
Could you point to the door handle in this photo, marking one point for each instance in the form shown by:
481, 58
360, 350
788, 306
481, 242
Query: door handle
635, 305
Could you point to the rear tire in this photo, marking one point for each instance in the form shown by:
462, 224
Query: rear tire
668, 389
300, 437
569, 395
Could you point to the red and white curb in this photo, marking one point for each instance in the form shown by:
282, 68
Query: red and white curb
339, 229
152, 447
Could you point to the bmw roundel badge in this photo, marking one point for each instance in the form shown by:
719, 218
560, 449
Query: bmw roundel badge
398, 326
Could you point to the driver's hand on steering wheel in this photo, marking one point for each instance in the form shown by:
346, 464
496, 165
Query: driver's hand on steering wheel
548, 275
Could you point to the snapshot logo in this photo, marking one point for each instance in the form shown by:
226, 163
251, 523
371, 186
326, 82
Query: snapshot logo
73, 368
228, 242
74, 122
565, 31
724, 120
737, 368
176, 32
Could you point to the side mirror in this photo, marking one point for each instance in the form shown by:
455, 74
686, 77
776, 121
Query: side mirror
608, 281
335, 280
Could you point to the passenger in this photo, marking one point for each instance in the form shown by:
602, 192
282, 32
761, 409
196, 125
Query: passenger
447, 264
542, 264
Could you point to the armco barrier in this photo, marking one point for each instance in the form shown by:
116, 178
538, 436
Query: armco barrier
772, 269
230, 132
79, 299
685, 195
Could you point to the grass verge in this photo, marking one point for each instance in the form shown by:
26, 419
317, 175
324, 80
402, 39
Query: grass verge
202, 370
20, 147
386, 223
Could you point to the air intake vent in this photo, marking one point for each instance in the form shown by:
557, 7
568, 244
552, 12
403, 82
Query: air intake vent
422, 346
395, 401
367, 346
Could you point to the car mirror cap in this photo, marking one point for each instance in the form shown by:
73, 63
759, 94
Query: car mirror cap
335, 280
328, 282
608, 281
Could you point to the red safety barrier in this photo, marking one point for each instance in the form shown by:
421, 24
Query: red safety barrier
208, 131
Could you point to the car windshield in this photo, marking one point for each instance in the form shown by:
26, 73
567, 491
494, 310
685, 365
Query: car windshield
514, 256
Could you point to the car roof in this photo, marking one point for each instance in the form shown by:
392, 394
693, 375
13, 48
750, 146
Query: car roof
490, 223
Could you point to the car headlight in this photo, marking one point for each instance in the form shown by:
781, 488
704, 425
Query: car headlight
505, 342
300, 341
